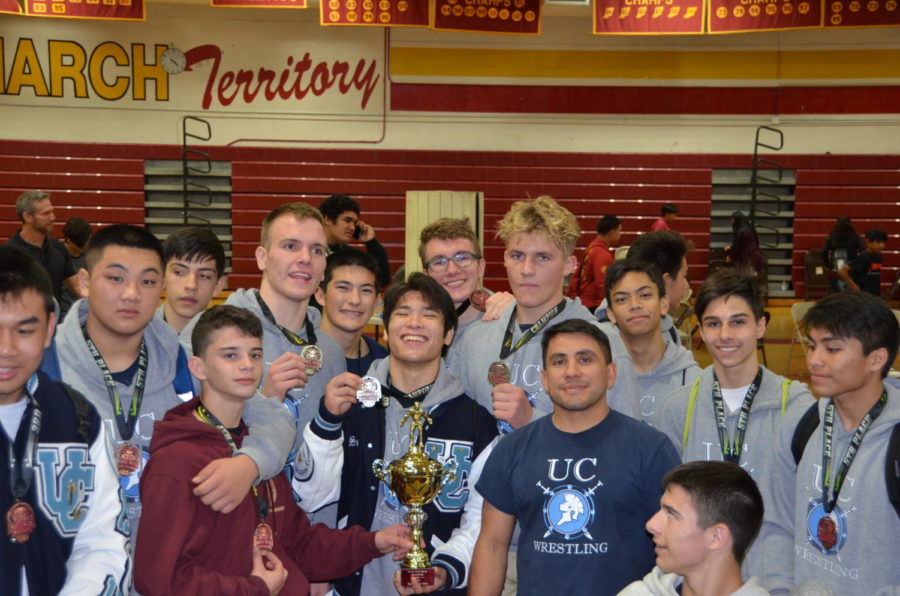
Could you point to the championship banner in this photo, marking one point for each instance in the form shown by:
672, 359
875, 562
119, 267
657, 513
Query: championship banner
379, 13
109, 10
738, 16
260, 3
862, 13
11, 7
521, 17
648, 17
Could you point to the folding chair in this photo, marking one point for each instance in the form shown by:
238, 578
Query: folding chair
798, 311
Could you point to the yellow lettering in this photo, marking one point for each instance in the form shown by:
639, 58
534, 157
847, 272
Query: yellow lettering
103, 51
141, 72
26, 70
67, 61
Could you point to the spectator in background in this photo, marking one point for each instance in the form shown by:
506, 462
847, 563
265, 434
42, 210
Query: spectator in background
76, 233
343, 226
668, 213
842, 246
864, 272
744, 251
35, 211
589, 280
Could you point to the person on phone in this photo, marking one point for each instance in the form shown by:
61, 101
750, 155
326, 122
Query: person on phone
343, 226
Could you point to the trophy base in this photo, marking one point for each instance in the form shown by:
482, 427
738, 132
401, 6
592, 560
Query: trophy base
424, 576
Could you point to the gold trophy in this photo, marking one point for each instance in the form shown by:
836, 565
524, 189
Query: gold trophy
415, 479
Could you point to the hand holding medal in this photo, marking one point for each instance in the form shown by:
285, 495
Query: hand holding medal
343, 391
289, 371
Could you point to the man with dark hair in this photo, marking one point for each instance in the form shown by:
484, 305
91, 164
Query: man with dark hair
35, 211
346, 437
267, 544
846, 532
195, 272
864, 272
348, 296
76, 233
637, 303
64, 515
132, 368
581, 482
737, 410
343, 226
708, 517
667, 215
589, 280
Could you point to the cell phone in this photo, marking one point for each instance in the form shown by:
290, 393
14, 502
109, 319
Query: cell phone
357, 232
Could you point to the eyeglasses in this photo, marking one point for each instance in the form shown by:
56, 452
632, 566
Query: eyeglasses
463, 260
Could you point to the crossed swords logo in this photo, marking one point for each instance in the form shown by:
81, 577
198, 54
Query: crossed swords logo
549, 493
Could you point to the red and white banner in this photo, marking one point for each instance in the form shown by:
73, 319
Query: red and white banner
861, 13
112, 10
379, 13
521, 17
734, 16
648, 17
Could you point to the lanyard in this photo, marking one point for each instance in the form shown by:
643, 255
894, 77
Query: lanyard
262, 505
406, 400
290, 335
20, 477
827, 430
731, 451
508, 347
462, 307
125, 421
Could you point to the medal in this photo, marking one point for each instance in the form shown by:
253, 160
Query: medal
369, 392
128, 458
479, 299
263, 539
498, 373
312, 357
827, 532
20, 522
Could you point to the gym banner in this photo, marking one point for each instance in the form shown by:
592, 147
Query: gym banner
861, 13
260, 3
107, 10
648, 17
10, 7
738, 16
522, 17
379, 13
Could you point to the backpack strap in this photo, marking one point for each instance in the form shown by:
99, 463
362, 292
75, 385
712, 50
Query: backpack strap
892, 469
82, 412
805, 428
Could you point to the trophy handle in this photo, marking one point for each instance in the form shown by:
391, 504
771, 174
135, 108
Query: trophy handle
378, 468
449, 468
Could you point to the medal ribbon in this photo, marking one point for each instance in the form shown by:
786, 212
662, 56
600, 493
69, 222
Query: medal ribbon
125, 422
290, 335
508, 347
20, 477
731, 451
262, 505
827, 430
406, 399
462, 307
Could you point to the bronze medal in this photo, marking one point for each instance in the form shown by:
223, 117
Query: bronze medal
263, 539
479, 299
312, 359
369, 392
128, 458
498, 373
20, 522
827, 532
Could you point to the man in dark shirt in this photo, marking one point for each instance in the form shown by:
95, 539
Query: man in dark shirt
35, 211
343, 226
864, 272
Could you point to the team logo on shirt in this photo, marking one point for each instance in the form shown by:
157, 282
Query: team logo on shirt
569, 510
827, 532
65, 479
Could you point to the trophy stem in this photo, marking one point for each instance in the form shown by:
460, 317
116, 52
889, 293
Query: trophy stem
416, 563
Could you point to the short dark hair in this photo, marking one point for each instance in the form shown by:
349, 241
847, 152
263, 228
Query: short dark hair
432, 293
576, 326
860, 316
727, 283
333, 206
666, 250
20, 272
722, 493
876, 235
607, 224
195, 243
127, 235
348, 257
220, 317
667, 208
616, 271
77, 231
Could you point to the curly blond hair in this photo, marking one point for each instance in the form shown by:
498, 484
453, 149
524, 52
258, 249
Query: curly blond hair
542, 215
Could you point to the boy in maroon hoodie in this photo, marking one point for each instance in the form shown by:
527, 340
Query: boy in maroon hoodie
266, 545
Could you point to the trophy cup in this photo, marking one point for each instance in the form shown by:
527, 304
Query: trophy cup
415, 479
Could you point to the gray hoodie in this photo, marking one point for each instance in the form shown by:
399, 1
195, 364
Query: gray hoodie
470, 358
767, 426
658, 583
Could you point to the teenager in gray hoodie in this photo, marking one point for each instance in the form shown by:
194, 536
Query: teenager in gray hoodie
755, 407
637, 302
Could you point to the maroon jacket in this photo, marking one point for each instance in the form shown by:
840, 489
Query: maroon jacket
590, 276
184, 547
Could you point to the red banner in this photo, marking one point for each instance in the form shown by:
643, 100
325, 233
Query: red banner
861, 13
488, 16
735, 16
114, 10
380, 13
260, 3
637, 17
11, 6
